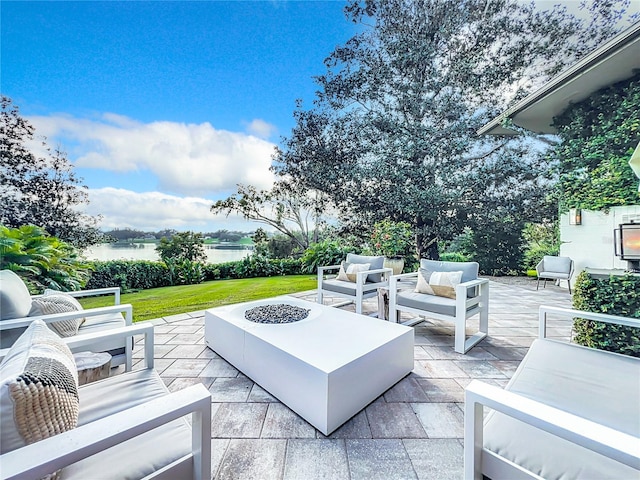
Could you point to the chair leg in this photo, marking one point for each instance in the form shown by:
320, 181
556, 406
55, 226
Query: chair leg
544, 284
569, 283
538, 283
460, 335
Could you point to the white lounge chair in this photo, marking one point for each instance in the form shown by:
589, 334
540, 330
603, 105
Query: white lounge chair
129, 425
471, 298
568, 412
16, 303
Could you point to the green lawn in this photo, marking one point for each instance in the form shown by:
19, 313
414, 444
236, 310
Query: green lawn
161, 302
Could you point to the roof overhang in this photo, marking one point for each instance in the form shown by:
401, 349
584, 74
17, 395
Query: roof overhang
614, 61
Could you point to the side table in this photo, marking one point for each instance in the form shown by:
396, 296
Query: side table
92, 366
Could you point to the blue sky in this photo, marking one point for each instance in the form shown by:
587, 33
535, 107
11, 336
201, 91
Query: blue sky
164, 106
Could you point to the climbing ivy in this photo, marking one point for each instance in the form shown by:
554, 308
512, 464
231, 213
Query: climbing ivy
599, 135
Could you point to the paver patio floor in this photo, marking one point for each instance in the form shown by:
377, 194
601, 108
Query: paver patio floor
414, 430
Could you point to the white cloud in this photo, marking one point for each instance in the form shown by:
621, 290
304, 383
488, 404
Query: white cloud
261, 128
189, 159
153, 211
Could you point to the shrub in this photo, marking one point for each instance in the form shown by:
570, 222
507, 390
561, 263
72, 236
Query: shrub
129, 275
41, 260
616, 295
253, 266
540, 239
327, 252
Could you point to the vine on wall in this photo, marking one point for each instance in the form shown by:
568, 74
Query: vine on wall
599, 136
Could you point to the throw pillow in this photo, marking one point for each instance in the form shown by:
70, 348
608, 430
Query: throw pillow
38, 389
58, 302
348, 271
423, 282
444, 283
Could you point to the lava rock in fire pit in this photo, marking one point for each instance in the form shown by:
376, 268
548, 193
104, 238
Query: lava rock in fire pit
277, 313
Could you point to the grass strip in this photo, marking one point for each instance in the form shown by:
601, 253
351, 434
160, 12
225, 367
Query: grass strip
165, 301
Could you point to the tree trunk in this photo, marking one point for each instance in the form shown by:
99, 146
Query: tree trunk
426, 242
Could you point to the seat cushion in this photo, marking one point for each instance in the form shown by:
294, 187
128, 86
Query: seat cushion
603, 387
554, 275
15, 300
98, 323
375, 263
142, 455
428, 303
346, 288
38, 389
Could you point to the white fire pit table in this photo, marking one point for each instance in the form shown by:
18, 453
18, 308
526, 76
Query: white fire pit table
326, 368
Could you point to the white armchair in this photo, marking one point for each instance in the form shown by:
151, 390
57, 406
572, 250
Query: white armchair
554, 268
365, 283
16, 304
471, 298
128, 425
568, 412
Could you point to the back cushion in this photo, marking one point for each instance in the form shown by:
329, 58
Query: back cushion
58, 302
557, 264
469, 269
38, 389
15, 301
375, 263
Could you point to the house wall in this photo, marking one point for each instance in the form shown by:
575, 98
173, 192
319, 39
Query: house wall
591, 244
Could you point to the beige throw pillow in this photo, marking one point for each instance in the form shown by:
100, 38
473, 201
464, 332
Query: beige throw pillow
442, 284
38, 389
348, 271
58, 302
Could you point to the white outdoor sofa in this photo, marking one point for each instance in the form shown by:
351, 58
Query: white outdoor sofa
568, 412
129, 426
16, 303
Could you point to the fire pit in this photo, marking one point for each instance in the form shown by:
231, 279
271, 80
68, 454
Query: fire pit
276, 313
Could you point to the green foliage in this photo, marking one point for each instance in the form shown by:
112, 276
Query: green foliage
599, 135
540, 239
253, 266
41, 260
183, 254
327, 252
392, 239
43, 191
616, 295
392, 132
454, 257
129, 275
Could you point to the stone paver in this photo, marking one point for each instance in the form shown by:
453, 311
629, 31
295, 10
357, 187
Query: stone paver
414, 430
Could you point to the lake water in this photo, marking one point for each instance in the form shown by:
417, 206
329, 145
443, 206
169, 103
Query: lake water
146, 251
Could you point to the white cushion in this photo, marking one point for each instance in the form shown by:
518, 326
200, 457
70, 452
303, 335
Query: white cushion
442, 284
38, 389
15, 300
58, 302
348, 271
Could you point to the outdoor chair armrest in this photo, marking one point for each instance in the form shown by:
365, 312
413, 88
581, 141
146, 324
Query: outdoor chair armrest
327, 268
361, 277
56, 317
38, 459
571, 313
394, 279
601, 439
93, 292
463, 288
79, 343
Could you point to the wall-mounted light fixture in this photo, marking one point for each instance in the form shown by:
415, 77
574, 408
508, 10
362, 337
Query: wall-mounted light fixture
575, 216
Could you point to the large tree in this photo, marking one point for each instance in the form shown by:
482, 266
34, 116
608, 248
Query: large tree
40, 190
391, 133
291, 210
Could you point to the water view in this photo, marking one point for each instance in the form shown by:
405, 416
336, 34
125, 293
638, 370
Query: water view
146, 251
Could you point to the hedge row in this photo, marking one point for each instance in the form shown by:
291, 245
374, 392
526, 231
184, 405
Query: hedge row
616, 295
141, 274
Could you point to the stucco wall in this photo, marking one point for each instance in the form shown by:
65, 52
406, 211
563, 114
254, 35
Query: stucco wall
591, 244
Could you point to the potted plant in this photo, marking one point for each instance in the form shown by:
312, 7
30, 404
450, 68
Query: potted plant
394, 241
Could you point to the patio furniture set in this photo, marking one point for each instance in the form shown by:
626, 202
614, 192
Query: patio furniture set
575, 405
